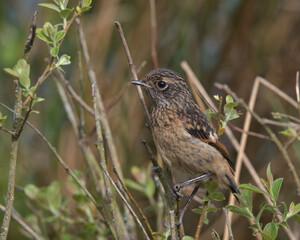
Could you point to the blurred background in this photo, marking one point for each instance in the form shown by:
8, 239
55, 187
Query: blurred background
229, 42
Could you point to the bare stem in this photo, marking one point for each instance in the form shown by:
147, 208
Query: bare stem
153, 34
201, 219
133, 71
17, 124
23, 224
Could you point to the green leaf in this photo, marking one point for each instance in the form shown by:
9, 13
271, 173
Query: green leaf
49, 197
134, 185
50, 6
24, 77
262, 208
86, 3
218, 196
11, 72
246, 196
41, 35
239, 210
64, 60
65, 13
211, 186
271, 230
188, 238
159, 235
54, 51
150, 188
276, 188
215, 235
252, 188
229, 99
296, 218
269, 174
265, 183
81, 198
293, 210
59, 35
31, 191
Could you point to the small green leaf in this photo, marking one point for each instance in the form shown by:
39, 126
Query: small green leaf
246, 196
134, 185
239, 210
11, 72
24, 77
269, 174
262, 208
65, 13
50, 6
86, 3
218, 196
229, 99
276, 188
188, 238
59, 35
253, 188
296, 218
81, 198
2, 117
31, 191
54, 51
211, 186
64, 60
159, 235
215, 235
271, 230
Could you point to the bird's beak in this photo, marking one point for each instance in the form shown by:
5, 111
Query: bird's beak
140, 83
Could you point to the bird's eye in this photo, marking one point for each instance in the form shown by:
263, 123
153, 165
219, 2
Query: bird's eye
161, 84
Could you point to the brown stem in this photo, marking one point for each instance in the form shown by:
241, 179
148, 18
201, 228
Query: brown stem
153, 34
133, 71
201, 219
145, 220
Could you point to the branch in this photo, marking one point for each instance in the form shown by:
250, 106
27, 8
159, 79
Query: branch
153, 34
15, 143
133, 72
24, 225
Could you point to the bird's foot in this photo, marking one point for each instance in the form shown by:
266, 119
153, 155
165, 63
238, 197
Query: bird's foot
177, 191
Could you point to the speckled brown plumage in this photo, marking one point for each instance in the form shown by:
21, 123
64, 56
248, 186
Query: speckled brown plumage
181, 131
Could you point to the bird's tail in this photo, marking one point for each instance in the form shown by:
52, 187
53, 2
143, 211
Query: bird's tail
233, 186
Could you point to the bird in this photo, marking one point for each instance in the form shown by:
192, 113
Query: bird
182, 133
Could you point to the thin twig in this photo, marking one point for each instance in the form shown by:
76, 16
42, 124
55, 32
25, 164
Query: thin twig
145, 220
174, 235
254, 134
72, 92
133, 72
24, 225
7, 131
277, 114
298, 92
153, 34
228, 224
280, 124
201, 219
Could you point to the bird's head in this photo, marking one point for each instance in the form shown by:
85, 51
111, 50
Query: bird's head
165, 87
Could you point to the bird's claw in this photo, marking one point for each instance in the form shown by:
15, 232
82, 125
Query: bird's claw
177, 191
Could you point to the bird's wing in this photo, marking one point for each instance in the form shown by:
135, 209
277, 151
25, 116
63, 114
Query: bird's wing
196, 124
